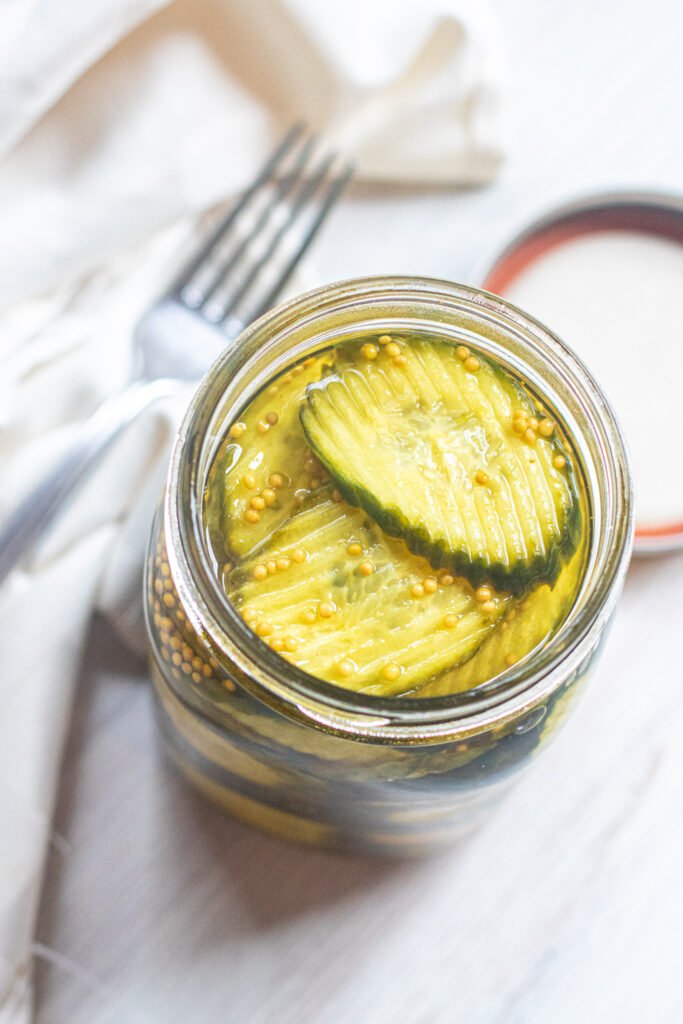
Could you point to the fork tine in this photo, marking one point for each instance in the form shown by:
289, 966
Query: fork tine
282, 190
308, 187
335, 188
184, 278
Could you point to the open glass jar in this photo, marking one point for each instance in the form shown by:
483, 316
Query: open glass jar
308, 759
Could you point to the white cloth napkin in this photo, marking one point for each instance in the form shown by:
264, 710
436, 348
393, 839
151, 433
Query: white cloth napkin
120, 121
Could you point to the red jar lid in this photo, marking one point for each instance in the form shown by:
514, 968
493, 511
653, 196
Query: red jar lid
605, 273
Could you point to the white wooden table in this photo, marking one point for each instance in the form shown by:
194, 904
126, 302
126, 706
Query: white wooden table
568, 905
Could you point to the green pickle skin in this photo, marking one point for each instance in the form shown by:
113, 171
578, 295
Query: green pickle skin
305, 783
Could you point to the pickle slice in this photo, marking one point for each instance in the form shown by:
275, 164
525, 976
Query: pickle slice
341, 600
524, 628
265, 456
430, 446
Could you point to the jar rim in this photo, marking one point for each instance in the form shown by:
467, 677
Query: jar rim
291, 690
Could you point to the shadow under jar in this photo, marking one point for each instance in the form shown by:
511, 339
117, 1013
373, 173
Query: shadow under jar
312, 760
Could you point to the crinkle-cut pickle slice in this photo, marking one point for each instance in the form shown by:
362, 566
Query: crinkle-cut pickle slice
524, 628
320, 607
429, 449
265, 451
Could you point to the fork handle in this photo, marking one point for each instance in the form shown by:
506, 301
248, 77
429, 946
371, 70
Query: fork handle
36, 511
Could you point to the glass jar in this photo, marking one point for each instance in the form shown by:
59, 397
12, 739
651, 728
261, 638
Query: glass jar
311, 760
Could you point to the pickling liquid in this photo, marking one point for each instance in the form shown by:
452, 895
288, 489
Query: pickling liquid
398, 519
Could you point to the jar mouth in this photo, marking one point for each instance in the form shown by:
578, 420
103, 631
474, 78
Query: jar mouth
309, 323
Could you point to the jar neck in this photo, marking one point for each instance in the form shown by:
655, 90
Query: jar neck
375, 305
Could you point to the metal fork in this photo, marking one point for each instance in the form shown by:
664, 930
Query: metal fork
235, 277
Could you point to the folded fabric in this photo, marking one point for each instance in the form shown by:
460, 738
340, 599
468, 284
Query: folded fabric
173, 117
120, 122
